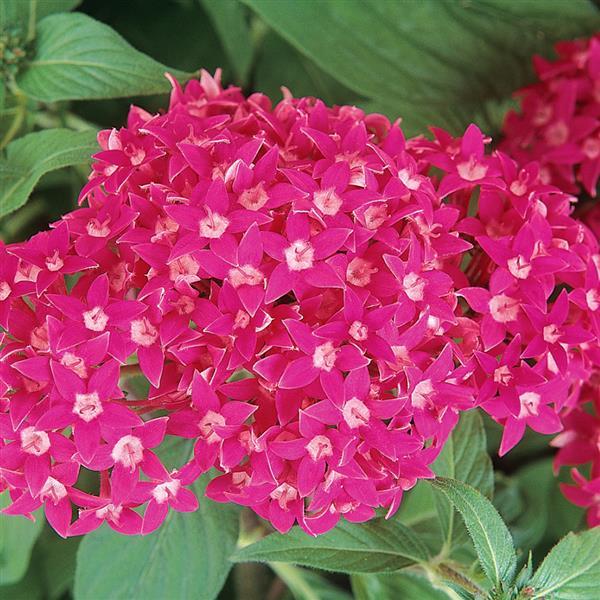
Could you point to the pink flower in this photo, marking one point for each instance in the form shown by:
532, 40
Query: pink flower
86, 406
166, 491
558, 123
307, 296
584, 493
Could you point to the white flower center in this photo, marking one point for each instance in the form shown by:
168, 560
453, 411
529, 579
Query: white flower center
165, 491
242, 319
557, 133
375, 216
75, 363
422, 394
299, 256
327, 201
53, 490
110, 512
97, 229
39, 337
591, 148
319, 447
95, 319
87, 406
530, 402
592, 298
206, 426
5, 290
355, 413
284, 494
502, 375
213, 226
503, 308
359, 331
359, 272
245, 275
183, 268
412, 183
128, 451
414, 286
34, 442
254, 198
551, 334
143, 333
519, 267
54, 262
324, 356
471, 170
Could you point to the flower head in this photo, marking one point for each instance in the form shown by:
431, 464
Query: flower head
303, 294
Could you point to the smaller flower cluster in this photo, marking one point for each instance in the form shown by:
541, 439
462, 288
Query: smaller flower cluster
312, 299
579, 444
559, 121
559, 126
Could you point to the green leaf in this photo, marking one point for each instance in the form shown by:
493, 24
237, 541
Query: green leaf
16, 542
374, 547
571, 570
280, 64
79, 58
465, 459
490, 535
397, 586
56, 562
185, 558
33, 155
523, 502
230, 20
30, 586
19, 12
308, 585
436, 62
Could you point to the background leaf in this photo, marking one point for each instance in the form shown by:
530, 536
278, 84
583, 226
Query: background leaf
231, 22
490, 535
377, 546
80, 58
432, 62
55, 562
33, 155
186, 557
280, 64
16, 542
19, 12
308, 585
396, 586
571, 571
465, 459
30, 587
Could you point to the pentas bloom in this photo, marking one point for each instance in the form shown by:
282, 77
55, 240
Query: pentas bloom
559, 121
309, 302
579, 444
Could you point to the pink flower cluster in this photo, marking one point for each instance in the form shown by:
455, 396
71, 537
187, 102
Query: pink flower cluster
579, 443
313, 300
559, 121
559, 126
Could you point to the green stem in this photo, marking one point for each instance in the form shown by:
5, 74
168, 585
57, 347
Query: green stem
451, 574
20, 112
32, 20
48, 120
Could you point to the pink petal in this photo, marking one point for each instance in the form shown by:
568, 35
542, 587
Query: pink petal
154, 516
152, 360
298, 373
59, 516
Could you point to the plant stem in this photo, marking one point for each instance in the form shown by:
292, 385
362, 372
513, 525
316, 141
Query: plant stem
20, 112
451, 574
